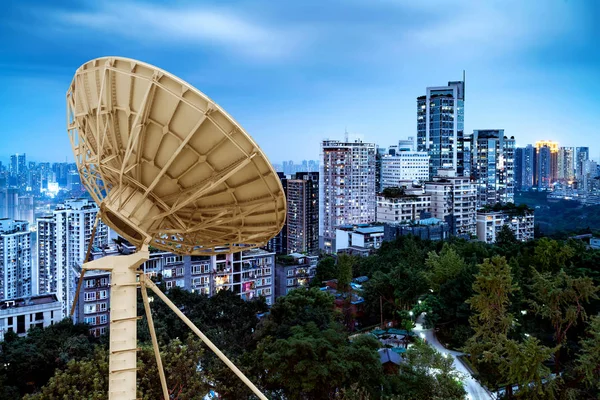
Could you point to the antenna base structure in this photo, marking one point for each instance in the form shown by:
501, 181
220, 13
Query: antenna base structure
126, 278
123, 320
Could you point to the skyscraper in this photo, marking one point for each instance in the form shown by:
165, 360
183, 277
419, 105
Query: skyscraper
582, 154
347, 187
524, 167
493, 166
63, 239
16, 274
278, 243
546, 163
303, 213
566, 163
440, 127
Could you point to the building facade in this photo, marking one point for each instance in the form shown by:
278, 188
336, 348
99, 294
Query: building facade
524, 167
404, 166
440, 128
250, 274
426, 229
17, 277
582, 154
21, 314
493, 169
294, 272
566, 164
360, 239
63, 239
546, 155
407, 206
278, 243
347, 188
490, 223
455, 197
303, 213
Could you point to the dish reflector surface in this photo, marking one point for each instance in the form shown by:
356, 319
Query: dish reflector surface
166, 164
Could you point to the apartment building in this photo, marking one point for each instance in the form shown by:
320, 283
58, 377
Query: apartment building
17, 278
63, 240
453, 199
347, 188
293, 272
490, 223
402, 204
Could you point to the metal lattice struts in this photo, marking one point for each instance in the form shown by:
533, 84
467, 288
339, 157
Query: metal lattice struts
167, 165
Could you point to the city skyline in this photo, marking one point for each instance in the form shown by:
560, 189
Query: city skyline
290, 77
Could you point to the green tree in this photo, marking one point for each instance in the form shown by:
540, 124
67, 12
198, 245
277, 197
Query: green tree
443, 267
426, 374
506, 236
326, 270
299, 307
525, 367
588, 361
88, 378
491, 319
560, 298
33, 359
344, 275
314, 363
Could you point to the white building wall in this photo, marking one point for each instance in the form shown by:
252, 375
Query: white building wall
16, 268
404, 166
73, 222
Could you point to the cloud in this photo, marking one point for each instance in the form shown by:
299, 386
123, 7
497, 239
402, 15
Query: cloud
217, 28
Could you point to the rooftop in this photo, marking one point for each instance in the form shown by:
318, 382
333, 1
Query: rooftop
28, 301
372, 229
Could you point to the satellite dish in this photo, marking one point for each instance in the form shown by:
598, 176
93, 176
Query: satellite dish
166, 164
171, 169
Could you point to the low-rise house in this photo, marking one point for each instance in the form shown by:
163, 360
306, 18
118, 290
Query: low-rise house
21, 314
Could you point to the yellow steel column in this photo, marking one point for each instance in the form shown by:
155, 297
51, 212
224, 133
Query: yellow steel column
123, 326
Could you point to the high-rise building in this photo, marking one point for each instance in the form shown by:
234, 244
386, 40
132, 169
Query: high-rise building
453, 199
582, 154
404, 166
589, 172
524, 167
381, 152
278, 243
25, 209
17, 278
303, 213
546, 154
493, 157
9, 203
440, 127
347, 187
566, 164
63, 239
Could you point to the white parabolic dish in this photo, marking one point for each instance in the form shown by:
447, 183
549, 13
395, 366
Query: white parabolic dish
166, 164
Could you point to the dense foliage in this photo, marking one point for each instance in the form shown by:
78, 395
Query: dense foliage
558, 218
525, 314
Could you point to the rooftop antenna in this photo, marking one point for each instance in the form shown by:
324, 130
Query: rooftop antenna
346, 134
171, 169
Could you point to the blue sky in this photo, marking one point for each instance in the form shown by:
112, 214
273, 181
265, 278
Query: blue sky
293, 73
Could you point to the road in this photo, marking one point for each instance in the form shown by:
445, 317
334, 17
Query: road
474, 389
